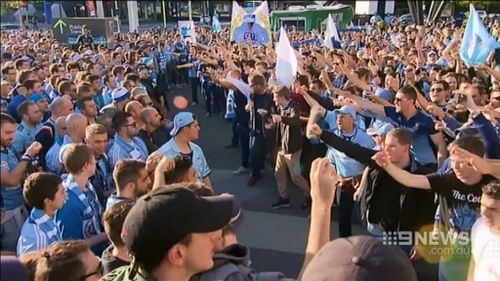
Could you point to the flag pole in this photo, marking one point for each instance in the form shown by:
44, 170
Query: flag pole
164, 14
190, 11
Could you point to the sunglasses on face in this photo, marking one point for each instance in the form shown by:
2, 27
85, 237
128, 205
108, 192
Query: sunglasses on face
399, 99
439, 90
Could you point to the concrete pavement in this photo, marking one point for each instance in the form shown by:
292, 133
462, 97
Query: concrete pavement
277, 238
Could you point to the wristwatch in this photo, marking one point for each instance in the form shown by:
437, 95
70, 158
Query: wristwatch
27, 158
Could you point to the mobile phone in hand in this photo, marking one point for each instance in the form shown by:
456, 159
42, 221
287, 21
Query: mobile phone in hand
461, 99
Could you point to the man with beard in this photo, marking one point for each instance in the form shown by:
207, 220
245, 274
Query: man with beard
154, 133
27, 129
12, 172
131, 179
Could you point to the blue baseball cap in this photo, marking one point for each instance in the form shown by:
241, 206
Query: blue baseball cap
36, 97
346, 110
181, 120
381, 129
385, 94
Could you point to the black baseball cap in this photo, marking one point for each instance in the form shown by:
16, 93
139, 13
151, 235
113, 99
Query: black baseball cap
166, 215
359, 258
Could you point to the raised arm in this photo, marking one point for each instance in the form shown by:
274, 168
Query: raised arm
367, 105
352, 150
405, 178
439, 142
323, 186
14, 177
480, 164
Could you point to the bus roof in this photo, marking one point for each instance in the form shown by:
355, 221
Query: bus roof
305, 9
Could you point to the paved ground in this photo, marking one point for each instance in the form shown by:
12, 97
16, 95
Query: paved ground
277, 238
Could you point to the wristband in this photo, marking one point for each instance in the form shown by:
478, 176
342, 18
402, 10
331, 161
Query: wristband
26, 158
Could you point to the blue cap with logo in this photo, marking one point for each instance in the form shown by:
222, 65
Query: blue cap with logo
346, 110
181, 119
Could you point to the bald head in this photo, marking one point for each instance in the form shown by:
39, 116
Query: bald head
151, 117
61, 125
75, 124
236, 74
137, 92
61, 107
134, 108
146, 114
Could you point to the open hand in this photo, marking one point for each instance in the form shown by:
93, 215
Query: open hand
478, 163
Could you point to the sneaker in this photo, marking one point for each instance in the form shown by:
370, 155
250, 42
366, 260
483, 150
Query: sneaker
253, 181
241, 170
307, 204
280, 203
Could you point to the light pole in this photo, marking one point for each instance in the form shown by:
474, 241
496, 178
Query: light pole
190, 11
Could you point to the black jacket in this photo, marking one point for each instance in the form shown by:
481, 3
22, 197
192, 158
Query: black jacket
156, 139
257, 122
289, 132
387, 202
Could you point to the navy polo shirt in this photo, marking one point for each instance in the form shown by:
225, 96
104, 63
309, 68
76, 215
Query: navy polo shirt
421, 127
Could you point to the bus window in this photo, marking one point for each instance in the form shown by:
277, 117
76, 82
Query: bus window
299, 24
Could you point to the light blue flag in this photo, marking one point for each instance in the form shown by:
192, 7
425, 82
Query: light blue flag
216, 27
477, 43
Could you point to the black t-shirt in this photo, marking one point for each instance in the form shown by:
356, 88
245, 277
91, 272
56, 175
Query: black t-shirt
459, 203
84, 40
110, 262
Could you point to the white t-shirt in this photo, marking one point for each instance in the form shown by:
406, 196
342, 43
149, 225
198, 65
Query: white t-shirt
486, 252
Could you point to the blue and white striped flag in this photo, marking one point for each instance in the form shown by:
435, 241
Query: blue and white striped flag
332, 39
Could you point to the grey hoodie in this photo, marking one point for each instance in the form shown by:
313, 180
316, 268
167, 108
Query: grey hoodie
233, 264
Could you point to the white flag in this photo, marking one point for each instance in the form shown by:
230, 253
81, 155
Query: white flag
187, 30
331, 32
286, 65
243, 87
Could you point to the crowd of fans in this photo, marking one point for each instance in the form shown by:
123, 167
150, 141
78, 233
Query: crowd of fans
99, 181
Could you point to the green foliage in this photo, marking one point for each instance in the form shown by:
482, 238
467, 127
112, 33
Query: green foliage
14, 5
479, 5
